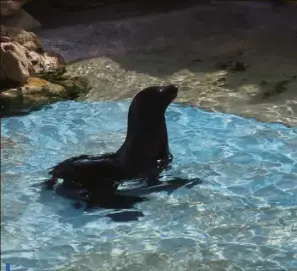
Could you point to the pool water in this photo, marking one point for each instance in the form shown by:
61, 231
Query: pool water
243, 216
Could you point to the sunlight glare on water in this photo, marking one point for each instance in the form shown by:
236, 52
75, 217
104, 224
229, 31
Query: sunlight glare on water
241, 217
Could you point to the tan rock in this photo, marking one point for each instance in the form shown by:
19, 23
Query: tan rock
15, 65
22, 55
41, 76
38, 92
25, 38
51, 60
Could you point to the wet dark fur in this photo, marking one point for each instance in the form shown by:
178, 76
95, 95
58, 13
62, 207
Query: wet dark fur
143, 155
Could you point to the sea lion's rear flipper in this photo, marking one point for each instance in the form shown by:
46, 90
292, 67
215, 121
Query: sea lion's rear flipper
115, 201
74, 194
50, 183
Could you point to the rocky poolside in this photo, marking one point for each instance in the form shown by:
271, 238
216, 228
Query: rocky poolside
231, 57
235, 58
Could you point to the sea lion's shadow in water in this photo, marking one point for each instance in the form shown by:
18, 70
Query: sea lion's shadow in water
78, 214
120, 208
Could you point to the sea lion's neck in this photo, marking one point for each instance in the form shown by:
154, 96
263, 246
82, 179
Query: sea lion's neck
145, 145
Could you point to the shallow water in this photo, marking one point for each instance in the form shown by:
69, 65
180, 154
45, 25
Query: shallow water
241, 217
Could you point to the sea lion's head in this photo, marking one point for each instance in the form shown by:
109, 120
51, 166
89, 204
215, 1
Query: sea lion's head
151, 103
146, 141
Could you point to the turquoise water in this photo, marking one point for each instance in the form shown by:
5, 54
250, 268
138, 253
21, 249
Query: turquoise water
243, 216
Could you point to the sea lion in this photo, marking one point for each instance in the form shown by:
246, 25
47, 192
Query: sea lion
143, 155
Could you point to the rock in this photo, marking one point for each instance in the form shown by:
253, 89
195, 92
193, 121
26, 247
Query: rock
21, 19
231, 65
10, 7
4, 39
30, 76
22, 55
12, 14
73, 84
78, 4
15, 66
25, 38
39, 91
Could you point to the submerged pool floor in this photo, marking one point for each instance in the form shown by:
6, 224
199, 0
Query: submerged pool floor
243, 216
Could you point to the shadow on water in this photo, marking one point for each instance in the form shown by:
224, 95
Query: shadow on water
16, 112
121, 208
7, 112
77, 214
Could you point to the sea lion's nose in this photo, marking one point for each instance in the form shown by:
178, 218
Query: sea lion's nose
172, 87
170, 92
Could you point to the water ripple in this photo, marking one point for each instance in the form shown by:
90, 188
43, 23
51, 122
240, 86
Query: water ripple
242, 216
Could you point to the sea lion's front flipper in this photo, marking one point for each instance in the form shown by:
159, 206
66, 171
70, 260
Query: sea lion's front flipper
159, 186
125, 216
181, 182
